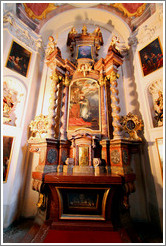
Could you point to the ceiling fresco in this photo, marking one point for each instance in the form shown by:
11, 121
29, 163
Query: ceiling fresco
37, 14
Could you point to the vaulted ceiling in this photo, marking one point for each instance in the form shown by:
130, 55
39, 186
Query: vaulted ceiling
37, 14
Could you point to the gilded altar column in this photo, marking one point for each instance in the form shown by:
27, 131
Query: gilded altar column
114, 105
102, 82
64, 109
52, 110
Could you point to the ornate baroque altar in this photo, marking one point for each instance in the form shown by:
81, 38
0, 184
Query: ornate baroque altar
84, 175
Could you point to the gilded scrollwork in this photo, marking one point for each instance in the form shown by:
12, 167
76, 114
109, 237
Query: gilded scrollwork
132, 125
66, 80
85, 68
38, 126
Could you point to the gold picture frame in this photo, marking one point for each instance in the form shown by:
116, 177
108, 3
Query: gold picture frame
18, 59
8, 142
151, 57
84, 51
79, 95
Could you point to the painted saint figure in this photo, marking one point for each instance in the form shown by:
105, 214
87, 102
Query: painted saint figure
84, 105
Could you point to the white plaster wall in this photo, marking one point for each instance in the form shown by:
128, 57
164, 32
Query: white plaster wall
148, 196
151, 171
13, 188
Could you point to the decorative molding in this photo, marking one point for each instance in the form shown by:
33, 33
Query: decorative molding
115, 156
10, 101
133, 40
39, 126
127, 12
131, 125
156, 91
13, 101
160, 12
155, 86
31, 14
146, 34
22, 32
85, 68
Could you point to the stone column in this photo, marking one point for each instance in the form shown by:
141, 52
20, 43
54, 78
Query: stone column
114, 105
132, 104
52, 110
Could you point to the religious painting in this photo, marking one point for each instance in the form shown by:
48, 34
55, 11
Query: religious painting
7, 150
84, 52
18, 59
84, 105
151, 57
159, 143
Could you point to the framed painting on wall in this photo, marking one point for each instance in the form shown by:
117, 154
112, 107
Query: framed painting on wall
84, 52
18, 59
7, 153
151, 57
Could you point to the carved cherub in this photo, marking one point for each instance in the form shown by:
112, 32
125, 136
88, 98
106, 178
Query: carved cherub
117, 45
50, 46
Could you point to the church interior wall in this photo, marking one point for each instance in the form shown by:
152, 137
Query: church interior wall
12, 189
148, 32
133, 98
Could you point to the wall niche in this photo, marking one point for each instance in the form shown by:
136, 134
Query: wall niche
14, 94
155, 96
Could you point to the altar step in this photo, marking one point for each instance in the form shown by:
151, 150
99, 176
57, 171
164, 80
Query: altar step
77, 234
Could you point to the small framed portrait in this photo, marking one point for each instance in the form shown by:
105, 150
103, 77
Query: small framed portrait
7, 153
151, 57
84, 52
18, 59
